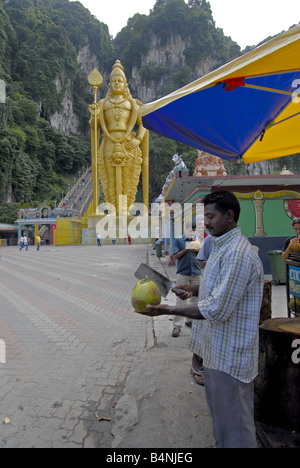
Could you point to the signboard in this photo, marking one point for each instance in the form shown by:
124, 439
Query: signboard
294, 280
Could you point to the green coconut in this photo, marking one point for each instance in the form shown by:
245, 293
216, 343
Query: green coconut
145, 293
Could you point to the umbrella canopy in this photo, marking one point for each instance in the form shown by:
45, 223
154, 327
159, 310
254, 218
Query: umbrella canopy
247, 108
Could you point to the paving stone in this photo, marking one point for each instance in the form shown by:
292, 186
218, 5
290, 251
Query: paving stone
71, 340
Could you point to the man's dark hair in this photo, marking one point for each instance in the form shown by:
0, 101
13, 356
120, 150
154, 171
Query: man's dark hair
224, 201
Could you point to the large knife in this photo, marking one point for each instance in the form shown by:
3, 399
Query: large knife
160, 280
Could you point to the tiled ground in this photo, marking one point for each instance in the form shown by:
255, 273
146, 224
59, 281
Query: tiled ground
71, 338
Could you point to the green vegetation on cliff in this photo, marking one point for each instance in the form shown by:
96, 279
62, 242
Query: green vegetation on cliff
193, 22
40, 45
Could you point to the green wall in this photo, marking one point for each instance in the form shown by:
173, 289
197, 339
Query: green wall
275, 220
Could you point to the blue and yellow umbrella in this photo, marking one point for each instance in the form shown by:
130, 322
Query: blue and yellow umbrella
248, 108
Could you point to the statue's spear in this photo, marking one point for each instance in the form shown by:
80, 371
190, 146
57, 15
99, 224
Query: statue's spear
95, 80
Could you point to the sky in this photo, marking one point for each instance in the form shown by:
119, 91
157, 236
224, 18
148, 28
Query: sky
248, 22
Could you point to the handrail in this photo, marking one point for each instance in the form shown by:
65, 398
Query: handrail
75, 186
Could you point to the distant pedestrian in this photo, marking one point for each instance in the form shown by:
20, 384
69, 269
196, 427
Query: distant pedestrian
188, 271
25, 243
98, 240
21, 242
38, 242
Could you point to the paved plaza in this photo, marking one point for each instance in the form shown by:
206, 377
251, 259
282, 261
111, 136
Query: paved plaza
71, 338
82, 369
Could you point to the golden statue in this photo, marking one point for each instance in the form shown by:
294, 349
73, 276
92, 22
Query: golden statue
123, 152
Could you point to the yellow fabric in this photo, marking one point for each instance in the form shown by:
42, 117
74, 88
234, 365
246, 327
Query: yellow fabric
279, 140
278, 55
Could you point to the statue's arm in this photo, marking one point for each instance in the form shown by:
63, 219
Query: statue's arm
95, 113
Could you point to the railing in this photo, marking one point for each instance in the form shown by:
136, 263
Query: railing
75, 187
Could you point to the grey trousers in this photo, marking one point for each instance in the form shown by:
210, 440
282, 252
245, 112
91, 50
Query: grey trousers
231, 404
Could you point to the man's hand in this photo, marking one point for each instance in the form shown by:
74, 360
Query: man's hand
294, 245
295, 240
190, 311
156, 311
185, 291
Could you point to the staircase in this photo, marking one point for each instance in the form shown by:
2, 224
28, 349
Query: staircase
79, 198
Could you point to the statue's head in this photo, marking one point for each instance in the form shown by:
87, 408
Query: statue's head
118, 70
118, 82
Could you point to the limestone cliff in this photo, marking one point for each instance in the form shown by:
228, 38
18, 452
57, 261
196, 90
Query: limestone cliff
152, 78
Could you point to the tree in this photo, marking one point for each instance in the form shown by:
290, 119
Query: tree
9, 212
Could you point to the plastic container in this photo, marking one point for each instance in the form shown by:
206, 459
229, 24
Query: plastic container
278, 267
159, 250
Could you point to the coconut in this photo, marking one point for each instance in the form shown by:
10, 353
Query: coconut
195, 245
294, 247
145, 293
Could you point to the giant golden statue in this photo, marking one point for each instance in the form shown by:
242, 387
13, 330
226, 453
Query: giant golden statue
124, 149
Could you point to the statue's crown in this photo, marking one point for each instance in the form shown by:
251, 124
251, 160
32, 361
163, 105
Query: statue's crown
118, 69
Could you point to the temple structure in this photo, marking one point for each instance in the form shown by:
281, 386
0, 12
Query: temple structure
209, 165
269, 203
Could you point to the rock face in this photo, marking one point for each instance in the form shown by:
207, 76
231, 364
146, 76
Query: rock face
65, 120
172, 52
168, 58
262, 167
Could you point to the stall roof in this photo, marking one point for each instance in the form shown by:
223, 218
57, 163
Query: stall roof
8, 228
181, 187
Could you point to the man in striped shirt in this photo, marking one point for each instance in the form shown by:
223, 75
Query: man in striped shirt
226, 321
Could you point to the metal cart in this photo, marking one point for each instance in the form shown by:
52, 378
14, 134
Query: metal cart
293, 285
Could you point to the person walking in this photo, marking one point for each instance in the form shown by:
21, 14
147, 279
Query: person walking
21, 242
38, 241
25, 243
225, 331
188, 271
98, 240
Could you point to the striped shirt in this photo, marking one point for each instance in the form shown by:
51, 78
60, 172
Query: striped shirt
230, 296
